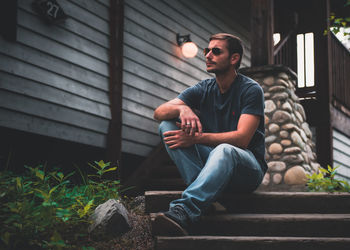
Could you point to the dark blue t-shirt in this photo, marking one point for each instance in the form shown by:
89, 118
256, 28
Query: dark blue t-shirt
220, 112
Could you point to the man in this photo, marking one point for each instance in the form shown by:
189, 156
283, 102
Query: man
222, 148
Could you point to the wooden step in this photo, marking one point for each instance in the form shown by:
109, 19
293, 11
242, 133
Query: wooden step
250, 243
296, 225
263, 202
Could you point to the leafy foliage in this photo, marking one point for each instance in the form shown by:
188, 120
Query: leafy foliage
340, 24
38, 208
325, 181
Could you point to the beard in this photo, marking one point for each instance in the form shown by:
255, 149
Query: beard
219, 70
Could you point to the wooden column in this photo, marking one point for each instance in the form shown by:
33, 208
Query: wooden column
262, 23
323, 84
114, 136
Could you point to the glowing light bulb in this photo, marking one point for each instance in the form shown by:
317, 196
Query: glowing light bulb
189, 49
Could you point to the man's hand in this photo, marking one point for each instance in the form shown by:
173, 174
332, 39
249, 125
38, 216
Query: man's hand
176, 108
178, 138
190, 122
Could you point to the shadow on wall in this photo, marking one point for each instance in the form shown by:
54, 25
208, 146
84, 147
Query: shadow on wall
19, 148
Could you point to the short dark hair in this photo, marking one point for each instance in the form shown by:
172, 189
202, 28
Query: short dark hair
234, 44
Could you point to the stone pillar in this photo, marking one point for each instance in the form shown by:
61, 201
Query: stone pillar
290, 151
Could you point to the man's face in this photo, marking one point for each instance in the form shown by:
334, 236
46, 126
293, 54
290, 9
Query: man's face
218, 59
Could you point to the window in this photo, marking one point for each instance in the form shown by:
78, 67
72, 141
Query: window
305, 60
276, 38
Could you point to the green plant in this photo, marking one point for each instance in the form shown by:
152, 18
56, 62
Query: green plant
325, 181
339, 24
45, 209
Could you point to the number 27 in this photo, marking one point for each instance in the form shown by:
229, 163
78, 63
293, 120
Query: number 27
53, 9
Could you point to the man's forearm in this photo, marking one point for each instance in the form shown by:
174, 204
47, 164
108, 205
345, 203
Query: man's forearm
241, 137
167, 111
213, 139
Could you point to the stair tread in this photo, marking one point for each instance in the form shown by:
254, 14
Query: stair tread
296, 225
263, 202
260, 194
270, 217
255, 238
252, 242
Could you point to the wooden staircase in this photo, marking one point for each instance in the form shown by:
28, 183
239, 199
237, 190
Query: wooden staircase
263, 220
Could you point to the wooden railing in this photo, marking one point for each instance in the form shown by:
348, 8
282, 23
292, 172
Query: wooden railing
285, 52
340, 74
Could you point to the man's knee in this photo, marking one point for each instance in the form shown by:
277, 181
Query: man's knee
167, 126
226, 153
224, 148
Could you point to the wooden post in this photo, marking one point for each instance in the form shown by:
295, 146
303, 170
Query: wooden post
324, 147
114, 136
262, 23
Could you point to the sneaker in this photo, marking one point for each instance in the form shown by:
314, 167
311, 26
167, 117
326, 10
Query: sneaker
171, 223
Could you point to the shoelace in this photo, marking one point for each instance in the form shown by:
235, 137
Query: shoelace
178, 211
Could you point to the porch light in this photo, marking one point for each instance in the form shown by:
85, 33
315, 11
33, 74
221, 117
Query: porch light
189, 49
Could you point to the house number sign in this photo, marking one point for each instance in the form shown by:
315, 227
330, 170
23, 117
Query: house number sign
50, 10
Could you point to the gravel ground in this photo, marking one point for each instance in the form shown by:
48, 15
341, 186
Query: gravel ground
139, 237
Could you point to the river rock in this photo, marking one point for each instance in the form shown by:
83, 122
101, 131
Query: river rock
298, 115
297, 139
284, 134
282, 82
281, 116
280, 96
275, 148
295, 176
273, 127
286, 106
286, 142
276, 166
270, 139
266, 95
293, 159
288, 126
269, 81
277, 178
277, 89
269, 106
307, 130
266, 179
300, 110
292, 150
284, 77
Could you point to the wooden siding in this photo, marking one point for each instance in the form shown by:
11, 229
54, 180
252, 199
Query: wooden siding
341, 154
154, 70
54, 78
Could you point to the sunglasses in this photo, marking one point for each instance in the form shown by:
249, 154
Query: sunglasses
215, 51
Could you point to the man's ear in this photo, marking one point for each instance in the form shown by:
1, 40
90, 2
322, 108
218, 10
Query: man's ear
235, 58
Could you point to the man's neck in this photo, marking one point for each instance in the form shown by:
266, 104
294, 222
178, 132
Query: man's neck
225, 80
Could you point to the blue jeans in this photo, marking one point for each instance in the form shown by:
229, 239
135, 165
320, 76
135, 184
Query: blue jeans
210, 171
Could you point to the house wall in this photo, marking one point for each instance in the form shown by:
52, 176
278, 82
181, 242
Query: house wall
54, 78
341, 154
154, 69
